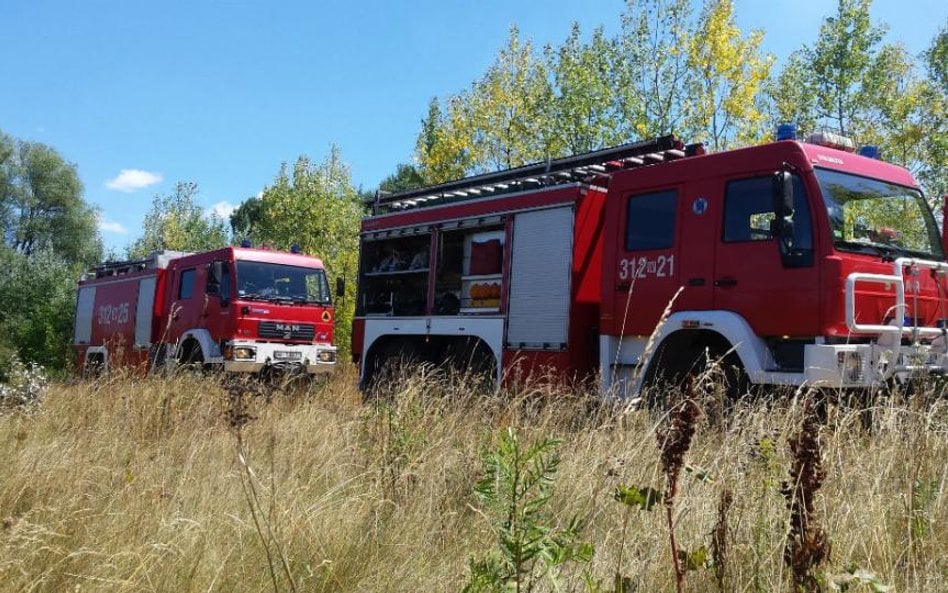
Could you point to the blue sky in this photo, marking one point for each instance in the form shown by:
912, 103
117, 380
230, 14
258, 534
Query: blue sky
222, 92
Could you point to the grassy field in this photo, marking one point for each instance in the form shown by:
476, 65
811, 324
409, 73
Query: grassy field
132, 484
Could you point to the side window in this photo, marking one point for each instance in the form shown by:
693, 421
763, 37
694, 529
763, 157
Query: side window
748, 212
651, 221
186, 286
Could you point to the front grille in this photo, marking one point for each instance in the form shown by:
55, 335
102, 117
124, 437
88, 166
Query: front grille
286, 330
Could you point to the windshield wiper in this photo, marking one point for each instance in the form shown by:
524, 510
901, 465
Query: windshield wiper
888, 252
280, 298
267, 297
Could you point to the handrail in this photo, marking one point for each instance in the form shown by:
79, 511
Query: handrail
897, 278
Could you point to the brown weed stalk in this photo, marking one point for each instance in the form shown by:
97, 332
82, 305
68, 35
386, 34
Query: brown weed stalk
719, 544
674, 440
807, 544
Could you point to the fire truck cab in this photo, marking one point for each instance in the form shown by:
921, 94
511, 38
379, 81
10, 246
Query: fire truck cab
236, 308
795, 263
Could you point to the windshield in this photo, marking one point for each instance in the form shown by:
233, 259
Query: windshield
276, 282
873, 216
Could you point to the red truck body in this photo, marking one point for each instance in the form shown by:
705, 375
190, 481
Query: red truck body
242, 309
800, 263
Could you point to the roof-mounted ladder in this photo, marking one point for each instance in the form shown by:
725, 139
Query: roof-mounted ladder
579, 167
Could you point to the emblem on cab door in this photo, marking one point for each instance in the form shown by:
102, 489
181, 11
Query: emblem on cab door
699, 206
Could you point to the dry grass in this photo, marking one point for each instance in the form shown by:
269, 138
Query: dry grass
135, 485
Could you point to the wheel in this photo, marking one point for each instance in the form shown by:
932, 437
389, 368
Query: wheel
473, 361
191, 359
94, 366
679, 359
386, 362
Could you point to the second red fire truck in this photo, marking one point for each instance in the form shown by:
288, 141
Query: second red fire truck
238, 309
795, 262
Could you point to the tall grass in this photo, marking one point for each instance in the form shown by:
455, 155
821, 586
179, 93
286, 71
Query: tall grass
132, 484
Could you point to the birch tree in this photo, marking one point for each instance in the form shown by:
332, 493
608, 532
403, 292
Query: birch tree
727, 71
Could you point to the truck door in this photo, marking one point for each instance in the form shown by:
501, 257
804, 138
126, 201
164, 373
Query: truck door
647, 263
775, 290
187, 301
668, 248
218, 291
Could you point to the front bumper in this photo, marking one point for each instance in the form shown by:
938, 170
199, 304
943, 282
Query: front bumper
869, 365
310, 358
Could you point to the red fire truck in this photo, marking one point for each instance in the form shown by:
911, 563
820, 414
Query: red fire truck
236, 308
793, 262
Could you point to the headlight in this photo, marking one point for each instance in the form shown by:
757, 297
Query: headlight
326, 356
850, 366
244, 353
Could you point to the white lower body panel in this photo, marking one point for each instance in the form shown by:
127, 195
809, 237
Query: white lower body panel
489, 329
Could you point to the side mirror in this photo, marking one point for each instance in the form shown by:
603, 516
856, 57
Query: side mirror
340, 287
783, 194
782, 225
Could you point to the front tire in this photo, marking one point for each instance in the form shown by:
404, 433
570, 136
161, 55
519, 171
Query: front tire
191, 358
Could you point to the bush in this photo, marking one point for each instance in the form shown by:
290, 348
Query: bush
22, 386
39, 297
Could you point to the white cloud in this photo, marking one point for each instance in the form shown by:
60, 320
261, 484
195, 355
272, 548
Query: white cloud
222, 210
107, 226
128, 180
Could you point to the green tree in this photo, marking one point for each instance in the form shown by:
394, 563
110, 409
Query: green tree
793, 95
933, 166
7, 150
178, 223
246, 218
726, 72
583, 115
41, 203
404, 178
846, 68
316, 207
897, 115
652, 66
444, 149
852, 81
38, 293
507, 108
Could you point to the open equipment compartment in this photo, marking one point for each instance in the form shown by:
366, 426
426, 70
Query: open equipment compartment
395, 275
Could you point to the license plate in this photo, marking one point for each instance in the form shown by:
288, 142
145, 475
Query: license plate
287, 355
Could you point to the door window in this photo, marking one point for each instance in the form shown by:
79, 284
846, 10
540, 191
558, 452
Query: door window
186, 286
748, 212
222, 289
651, 221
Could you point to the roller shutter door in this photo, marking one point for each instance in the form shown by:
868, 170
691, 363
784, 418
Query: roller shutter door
146, 299
540, 279
85, 305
